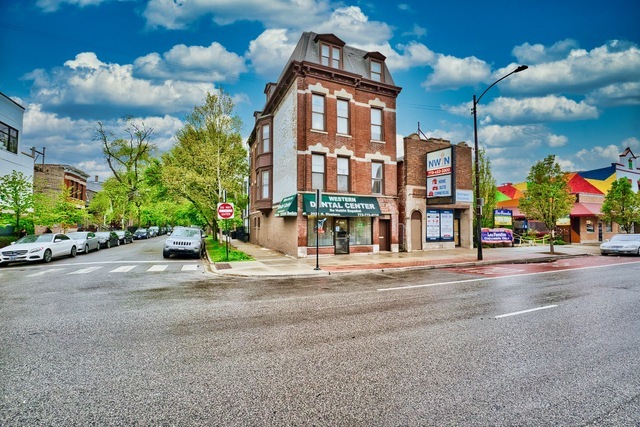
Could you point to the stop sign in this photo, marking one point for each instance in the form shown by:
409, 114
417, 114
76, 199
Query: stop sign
225, 210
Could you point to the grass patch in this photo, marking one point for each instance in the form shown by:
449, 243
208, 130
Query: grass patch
218, 252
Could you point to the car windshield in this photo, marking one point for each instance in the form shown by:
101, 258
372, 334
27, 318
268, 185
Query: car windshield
32, 238
103, 234
185, 232
625, 238
77, 235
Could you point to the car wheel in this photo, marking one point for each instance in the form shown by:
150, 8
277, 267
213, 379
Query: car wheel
98, 247
47, 256
74, 252
165, 254
86, 249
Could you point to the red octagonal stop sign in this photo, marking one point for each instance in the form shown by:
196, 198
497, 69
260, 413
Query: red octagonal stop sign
225, 210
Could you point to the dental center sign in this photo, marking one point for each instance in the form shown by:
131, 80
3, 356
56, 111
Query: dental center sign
439, 172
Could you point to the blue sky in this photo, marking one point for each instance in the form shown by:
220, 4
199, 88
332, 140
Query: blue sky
72, 63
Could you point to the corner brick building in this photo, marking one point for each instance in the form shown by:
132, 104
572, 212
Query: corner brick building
329, 123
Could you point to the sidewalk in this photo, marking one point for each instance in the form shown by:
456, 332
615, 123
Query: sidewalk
268, 262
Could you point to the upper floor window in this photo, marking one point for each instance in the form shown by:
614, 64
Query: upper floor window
264, 184
343, 116
317, 112
8, 138
317, 171
343, 174
376, 71
377, 177
330, 56
376, 124
266, 138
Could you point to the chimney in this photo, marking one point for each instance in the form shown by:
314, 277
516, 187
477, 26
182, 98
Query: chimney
96, 178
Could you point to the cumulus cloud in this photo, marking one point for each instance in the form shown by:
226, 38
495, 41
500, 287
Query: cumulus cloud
270, 51
450, 72
54, 5
582, 71
211, 63
537, 53
88, 86
71, 141
615, 95
274, 13
607, 154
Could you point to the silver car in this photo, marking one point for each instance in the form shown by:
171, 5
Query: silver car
628, 244
87, 241
187, 241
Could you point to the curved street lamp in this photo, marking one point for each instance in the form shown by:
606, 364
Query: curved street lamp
475, 137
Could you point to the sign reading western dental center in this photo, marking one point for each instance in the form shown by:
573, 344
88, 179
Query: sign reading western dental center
341, 205
439, 173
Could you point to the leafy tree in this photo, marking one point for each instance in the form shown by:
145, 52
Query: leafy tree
16, 196
127, 157
621, 205
547, 198
487, 189
66, 210
209, 157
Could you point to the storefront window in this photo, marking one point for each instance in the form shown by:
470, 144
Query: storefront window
325, 231
590, 228
360, 230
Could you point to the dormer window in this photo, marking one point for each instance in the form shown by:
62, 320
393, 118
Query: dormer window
376, 71
331, 56
376, 66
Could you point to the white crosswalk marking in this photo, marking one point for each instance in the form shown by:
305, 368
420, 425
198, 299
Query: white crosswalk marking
189, 267
123, 269
158, 267
85, 270
43, 272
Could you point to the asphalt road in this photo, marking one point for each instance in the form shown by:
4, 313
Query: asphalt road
437, 347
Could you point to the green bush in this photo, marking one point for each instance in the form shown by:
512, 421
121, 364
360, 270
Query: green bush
6, 240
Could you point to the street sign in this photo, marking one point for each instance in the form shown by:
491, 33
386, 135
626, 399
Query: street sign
225, 210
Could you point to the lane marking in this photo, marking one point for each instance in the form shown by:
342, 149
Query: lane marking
41, 273
484, 279
85, 270
123, 269
515, 313
157, 268
190, 267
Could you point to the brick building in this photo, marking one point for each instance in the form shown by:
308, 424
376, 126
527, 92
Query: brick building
329, 123
435, 218
50, 179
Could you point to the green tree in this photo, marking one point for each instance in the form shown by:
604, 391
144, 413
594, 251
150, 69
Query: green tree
128, 156
66, 210
16, 196
487, 189
547, 198
209, 157
621, 205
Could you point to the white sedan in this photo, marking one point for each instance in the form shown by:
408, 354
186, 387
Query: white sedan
42, 247
621, 244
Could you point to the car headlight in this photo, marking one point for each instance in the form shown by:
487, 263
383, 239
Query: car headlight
36, 249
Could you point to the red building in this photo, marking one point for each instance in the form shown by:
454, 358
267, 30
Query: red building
329, 123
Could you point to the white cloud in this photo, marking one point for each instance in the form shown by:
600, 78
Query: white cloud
270, 51
191, 63
608, 154
54, 5
90, 87
450, 72
535, 54
616, 95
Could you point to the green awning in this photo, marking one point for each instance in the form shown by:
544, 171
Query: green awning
288, 206
341, 205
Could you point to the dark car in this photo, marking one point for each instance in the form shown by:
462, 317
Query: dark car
141, 233
108, 239
125, 236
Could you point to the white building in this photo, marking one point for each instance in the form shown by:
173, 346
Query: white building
13, 155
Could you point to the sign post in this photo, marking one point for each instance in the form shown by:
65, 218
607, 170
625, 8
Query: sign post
226, 212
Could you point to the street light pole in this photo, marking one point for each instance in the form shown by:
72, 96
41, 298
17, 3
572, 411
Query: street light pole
477, 159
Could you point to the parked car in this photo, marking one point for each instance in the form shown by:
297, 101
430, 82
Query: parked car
108, 239
154, 231
38, 247
141, 233
125, 236
87, 241
621, 244
185, 241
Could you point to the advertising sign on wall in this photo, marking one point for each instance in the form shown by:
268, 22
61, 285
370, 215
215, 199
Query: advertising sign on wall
446, 225
439, 172
433, 225
439, 225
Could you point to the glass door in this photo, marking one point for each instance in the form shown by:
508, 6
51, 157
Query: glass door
342, 235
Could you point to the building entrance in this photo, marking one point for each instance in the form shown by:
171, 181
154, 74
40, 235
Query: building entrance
341, 236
